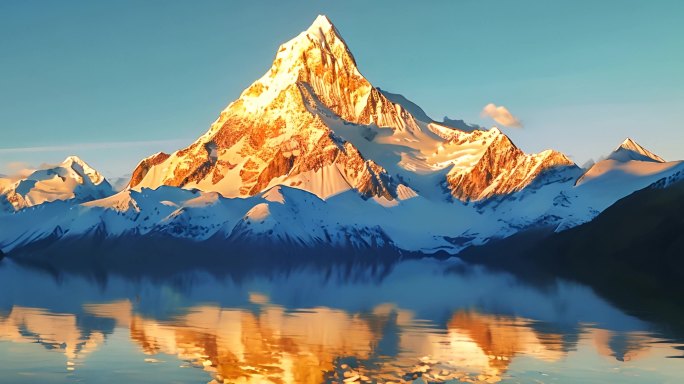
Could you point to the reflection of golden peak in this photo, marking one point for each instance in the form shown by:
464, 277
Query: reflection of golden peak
620, 346
274, 345
277, 346
501, 338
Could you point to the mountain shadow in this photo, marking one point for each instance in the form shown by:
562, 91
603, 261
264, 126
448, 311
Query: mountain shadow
632, 254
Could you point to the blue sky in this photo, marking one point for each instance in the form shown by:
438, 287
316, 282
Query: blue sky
116, 81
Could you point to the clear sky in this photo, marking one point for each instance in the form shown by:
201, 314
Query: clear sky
115, 81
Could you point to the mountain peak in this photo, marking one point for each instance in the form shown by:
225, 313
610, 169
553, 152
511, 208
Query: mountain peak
628, 141
81, 167
322, 23
321, 35
71, 160
630, 144
317, 62
631, 150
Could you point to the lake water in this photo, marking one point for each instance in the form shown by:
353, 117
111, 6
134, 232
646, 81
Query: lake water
425, 321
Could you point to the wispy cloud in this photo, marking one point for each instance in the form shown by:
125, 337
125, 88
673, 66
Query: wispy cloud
501, 115
91, 146
14, 166
19, 169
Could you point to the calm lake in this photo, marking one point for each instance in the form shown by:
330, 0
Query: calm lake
421, 321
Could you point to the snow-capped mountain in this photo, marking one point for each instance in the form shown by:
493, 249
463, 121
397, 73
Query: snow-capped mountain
290, 217
270, 136
312, 155
314, 122
629, 165
71, 179
631, 150
280, 216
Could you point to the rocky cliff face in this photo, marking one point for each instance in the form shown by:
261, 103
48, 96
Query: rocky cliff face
502, 169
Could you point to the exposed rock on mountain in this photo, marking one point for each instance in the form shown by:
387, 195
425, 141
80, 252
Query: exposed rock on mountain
502, 168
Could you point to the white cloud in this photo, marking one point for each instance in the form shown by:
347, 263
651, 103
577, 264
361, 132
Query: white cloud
501, 115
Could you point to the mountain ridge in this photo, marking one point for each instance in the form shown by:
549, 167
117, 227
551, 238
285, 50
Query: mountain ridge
313, 156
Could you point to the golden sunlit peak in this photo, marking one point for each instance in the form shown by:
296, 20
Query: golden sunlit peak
322, 22
322, 27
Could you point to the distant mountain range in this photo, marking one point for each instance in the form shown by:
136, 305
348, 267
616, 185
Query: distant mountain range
72, 180
313, 156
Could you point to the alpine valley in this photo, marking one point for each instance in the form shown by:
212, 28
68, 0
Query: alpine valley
314, 159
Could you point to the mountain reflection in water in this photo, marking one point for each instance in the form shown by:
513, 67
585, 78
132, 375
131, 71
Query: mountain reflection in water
414, 322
